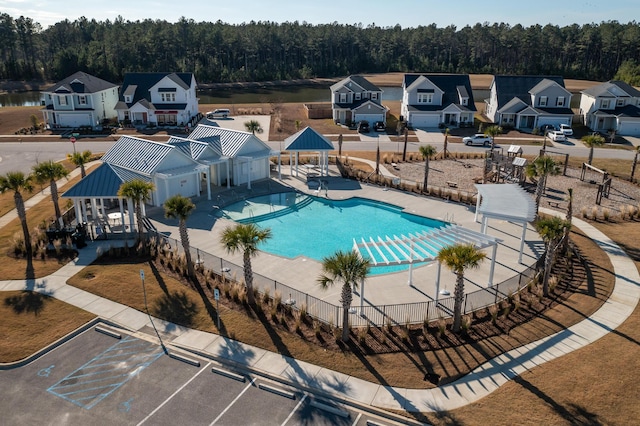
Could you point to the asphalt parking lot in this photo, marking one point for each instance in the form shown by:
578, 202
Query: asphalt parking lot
98, 379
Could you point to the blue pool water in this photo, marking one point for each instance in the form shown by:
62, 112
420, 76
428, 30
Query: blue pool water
315, 227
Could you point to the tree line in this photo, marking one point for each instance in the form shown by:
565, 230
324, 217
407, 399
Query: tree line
264, 51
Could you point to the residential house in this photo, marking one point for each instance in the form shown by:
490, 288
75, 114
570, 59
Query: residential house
528, 102
355, 99
429, 100
613, 105
158, 99
210, 156
80, 100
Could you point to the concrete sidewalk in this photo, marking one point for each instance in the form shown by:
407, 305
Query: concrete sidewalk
479, 383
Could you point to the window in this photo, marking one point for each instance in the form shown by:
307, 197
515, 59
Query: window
374, 96
560, 101
62, 100
620, 102
465, 101
168, 97
343, 98
425, 98
82, 100
543, 101
604, 104
127, 99
358, 96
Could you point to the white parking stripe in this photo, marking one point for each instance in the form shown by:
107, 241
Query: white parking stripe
174, 394
356, 420
233, 402
295, 409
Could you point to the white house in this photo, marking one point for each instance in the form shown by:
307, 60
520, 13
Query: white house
614, 105
429, 100
80, 100
528, 102
158, 99
355, 99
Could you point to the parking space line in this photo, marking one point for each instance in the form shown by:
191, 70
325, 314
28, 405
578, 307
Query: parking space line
294, 409
355, 422
233, 402
173, 394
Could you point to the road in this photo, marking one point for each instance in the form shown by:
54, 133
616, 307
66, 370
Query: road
22, 156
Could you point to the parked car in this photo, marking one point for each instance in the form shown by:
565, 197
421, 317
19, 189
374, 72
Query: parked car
546, 128
556, 136
477, 139
363, 126
566, 129
379, 126
218, 113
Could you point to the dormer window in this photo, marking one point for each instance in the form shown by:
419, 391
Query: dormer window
374, 96
358, 96
620, 102
605, 104
343, 98
128, 99
543, 101
560, 101
465, 101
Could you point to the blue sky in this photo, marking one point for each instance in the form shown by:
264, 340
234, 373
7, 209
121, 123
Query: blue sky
407, 13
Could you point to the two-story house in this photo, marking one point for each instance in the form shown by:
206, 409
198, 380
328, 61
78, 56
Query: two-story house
79, 100
160, 99
528, 102
614, 105
429, 100
355, 99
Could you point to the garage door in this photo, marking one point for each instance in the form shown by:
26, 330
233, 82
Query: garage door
629, 128
424, 120
74, 120
371, 118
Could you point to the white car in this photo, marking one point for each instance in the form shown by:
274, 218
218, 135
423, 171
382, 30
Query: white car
477, 139
219, 113
556, 136
566, 129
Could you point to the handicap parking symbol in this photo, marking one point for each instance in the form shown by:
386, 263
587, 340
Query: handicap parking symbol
45, 372
125, 406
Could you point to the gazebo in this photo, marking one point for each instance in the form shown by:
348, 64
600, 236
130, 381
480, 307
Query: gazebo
508, 202
308, 140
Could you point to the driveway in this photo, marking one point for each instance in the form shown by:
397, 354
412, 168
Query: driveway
429, 136
236, 122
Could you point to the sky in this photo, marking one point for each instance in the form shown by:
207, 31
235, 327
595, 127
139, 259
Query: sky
383, 13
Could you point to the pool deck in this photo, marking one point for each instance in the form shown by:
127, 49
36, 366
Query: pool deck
301, 273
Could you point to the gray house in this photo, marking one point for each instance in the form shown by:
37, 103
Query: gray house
431, 99
613, 105
355, 99
527, 102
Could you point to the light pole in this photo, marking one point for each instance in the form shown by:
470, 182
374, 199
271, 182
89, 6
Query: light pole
146, 307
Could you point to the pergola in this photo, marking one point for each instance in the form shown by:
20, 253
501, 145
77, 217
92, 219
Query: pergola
421, 247
508, 202
308, 140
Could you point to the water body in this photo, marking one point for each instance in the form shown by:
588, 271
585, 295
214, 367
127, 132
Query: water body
20, 99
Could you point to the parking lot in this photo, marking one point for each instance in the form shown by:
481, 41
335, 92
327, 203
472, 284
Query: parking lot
98, 379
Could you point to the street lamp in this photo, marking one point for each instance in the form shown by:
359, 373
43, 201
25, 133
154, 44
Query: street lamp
146, 307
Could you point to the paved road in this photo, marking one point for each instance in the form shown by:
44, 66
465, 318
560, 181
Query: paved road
97, 379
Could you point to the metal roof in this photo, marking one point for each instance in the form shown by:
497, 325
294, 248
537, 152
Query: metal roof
420, 247
506, 201
137, 154
307, 139
226, 141
103, 182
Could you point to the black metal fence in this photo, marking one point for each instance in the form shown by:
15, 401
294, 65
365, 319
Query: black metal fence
330, 314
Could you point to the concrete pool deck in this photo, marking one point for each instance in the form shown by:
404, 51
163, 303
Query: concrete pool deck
301, 272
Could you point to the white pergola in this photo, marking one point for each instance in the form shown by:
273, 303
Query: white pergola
508, 202
308, 140
421, 247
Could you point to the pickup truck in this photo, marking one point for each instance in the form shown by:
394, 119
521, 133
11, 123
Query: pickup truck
477, 139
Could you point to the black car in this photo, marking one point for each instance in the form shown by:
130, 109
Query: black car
363, 126
379, 126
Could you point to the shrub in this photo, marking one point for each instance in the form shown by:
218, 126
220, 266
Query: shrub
493, 312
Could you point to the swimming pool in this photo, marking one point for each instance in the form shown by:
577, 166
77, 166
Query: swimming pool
315, 227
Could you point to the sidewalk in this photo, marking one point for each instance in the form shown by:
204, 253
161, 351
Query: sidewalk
479, 383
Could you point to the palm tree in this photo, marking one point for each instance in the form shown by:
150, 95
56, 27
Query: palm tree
245, 238
49, 172
459, 258
551, 230
139, 191
180, 207
349, 268
492, 132
539, 169
447, 132
18, 182
427, 151
592, 141
253, 126
79, 159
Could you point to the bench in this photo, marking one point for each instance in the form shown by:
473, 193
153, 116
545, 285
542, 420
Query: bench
555, 204
452, 184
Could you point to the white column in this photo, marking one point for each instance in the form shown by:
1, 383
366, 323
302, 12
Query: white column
361, 296
410, 263
438, 281
485, 220
84, 210
249, 173
290, 163
493, 263
94, 209
477, 208
122, 214
78, 208
296, 157
228, 178
132, 213
279, 166
524, 233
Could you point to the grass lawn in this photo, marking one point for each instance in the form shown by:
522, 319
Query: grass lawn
31, 321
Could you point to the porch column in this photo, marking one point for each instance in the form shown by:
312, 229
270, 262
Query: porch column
524, 232
78, 209
361, 297
83, 207
122, 214
208, 181
279, 165
438, 281
290, 164
475, 219
132, 213
94, 209
485, 220
493, 263
228, 179
249, 163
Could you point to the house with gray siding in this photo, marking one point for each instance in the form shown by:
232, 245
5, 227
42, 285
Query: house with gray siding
611, 106
355, 99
